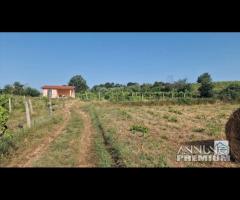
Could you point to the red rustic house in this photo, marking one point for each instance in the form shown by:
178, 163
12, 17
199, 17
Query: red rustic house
56, 91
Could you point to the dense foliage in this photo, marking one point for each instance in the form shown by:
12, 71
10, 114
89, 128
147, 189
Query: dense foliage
206, 87
178, 86
3, 114
19, 89
232, 92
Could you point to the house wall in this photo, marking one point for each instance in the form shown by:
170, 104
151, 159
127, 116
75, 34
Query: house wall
73, 93
45, 92
56, 93
63, 92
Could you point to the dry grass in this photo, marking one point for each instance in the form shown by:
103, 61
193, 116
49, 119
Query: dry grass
169, 127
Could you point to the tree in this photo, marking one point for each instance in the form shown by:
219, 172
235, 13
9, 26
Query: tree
146, 87
206, 87
79, 82
28, 91
18, 88
131, 84
204, 78
182, 86
8, 89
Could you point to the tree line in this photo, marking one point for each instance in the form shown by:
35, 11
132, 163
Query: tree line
205, 89
20, 89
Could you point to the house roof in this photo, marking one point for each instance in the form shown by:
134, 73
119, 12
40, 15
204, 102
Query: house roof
62, 87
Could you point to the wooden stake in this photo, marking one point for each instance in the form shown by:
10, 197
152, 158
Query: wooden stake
10, 105
50, 107
30, 105
27, 115
99, 96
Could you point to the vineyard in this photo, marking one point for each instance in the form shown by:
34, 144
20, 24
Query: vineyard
135, 96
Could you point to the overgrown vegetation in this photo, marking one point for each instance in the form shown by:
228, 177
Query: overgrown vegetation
4, 114
20, 89
232, 92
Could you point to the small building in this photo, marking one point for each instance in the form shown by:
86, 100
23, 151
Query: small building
56, 91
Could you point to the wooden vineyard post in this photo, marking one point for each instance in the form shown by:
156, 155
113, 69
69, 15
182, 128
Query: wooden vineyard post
27, 115
86, 95
50, 107
10, 105
30, 105
142, 96
163, 95
99, 96
63, 103
172, 95
184, 95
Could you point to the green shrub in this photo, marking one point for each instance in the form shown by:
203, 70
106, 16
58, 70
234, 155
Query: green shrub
139, 128
3, 120
232, 92
6, 143
4, 101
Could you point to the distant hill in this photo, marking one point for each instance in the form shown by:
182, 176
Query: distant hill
218, 85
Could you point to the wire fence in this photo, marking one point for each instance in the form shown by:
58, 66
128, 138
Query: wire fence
134, 96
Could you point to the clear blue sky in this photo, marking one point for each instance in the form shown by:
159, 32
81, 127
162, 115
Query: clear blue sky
53, 58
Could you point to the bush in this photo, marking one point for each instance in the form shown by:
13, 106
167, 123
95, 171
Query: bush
3, 120
6, 143
31, 92
3, 113
232, 92
139, 128
4, 101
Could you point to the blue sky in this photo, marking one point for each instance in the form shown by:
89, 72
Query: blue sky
53, 58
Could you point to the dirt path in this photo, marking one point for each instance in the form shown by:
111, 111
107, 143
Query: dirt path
86, 156
34, 154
